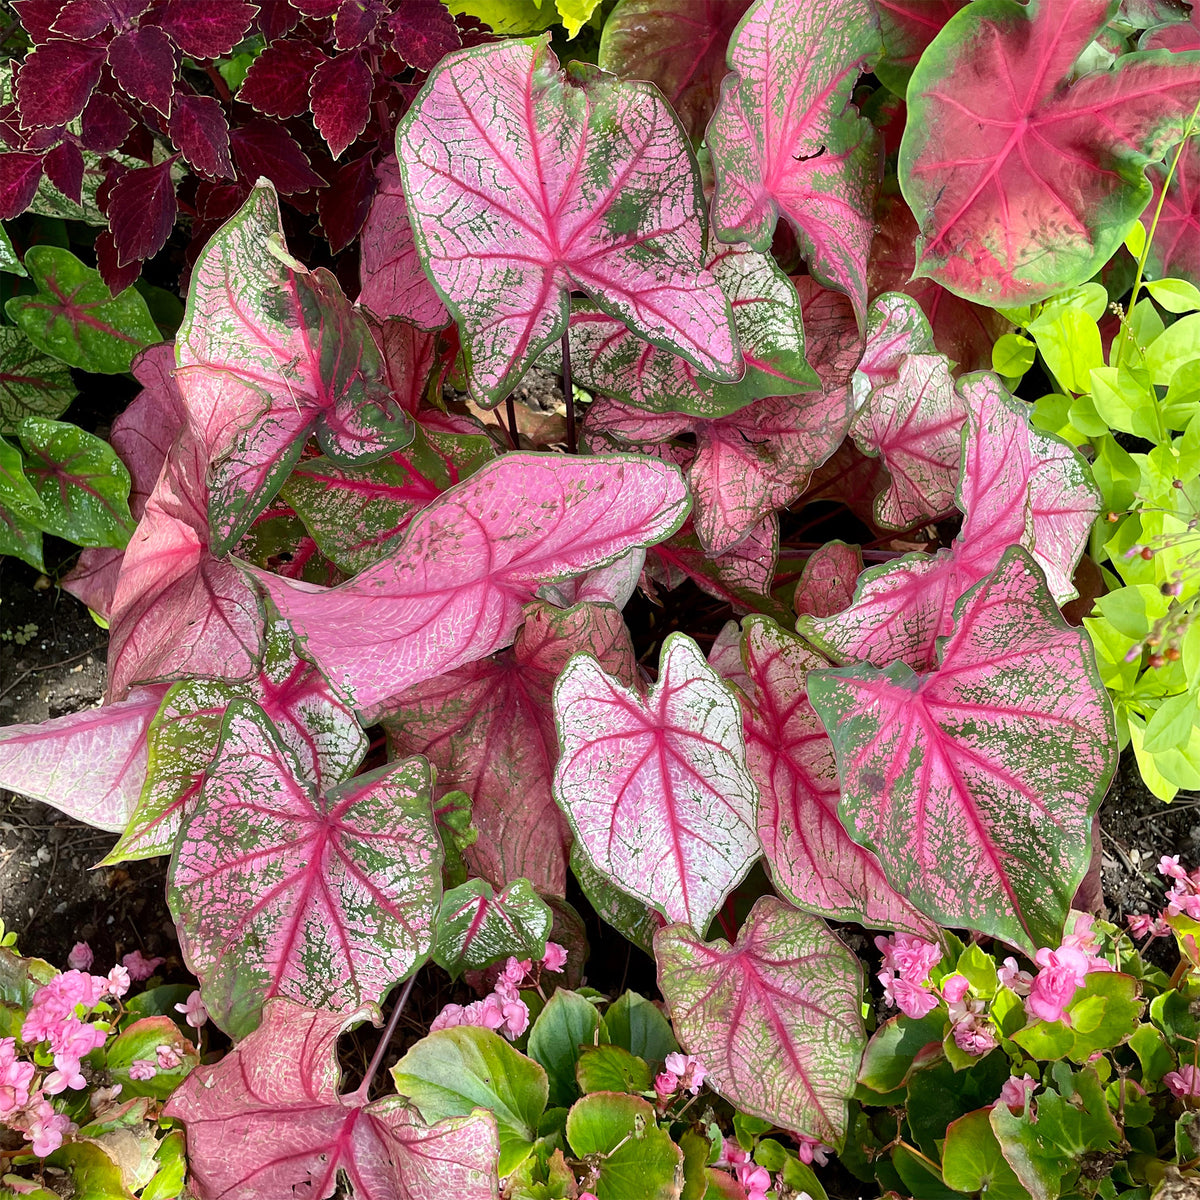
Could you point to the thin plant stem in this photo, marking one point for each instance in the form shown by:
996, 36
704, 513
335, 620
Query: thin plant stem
513, 436
568, 394
362, 1092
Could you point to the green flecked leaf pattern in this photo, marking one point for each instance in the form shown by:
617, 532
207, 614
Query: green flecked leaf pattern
21, 538
775, 1017
10, 261
278, 889
32, 384
525, 184
975, 784
629, 917
74, 318
17, 494
478, 926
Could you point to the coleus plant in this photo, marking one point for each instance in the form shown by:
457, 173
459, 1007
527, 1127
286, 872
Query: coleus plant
324, 545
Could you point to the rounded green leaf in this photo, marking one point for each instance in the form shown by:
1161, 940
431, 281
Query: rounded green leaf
972, 1161
631, 1158
612, 1069
567, 1024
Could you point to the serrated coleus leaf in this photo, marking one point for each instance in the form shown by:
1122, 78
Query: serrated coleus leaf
74, 317
775, 1016
55, 82
356, 515
394, 284
677, 44
267, 1123
264, 148
452, 591
278, 888
975, 783
827, 583
32, 384
308, 716
90, 765
340, 97
143, 63
208, 30
655, 787
488, 729
1017, 486
785, 139
277, 82
1174, 251
811, 859
999, 148
478, 926
141, 212
607, 357
298, 350
914, 424
199, 128
520, 190
20, 175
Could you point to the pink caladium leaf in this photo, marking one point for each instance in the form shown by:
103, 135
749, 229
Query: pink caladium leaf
906, 28
811, 859
677, 44
308, 716
478, 926
453, 589
1017, 487
1182, 34
827, 583
394, 284
999, 147
775, 1017
357, 515
896, 326
914, 424
90, 765
488, 728
266, 1122
607, 357
294, 343
278, 888
786, 140
514, 212
1174, 251
975, 783
655, 787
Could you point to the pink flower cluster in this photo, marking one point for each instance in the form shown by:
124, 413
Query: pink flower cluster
907, 961
1063, 972
812, 1151
755, 1179
682, 1071
502, 1009
1016, 1092
1182, 899
1184, 1084
973, 1030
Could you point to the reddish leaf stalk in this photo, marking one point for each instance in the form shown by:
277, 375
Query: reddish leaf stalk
362, 1092
513, 435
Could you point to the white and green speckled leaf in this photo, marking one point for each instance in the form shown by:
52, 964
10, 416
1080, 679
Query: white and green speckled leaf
478, 926
32, 384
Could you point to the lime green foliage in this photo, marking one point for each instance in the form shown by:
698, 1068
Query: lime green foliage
528, 16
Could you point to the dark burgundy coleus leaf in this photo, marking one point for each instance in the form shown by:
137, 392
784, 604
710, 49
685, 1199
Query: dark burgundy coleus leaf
975, 783
116, 277
64, 168
340, 97
488, 728
343, 206
208, 30
267, 1123
20, 175
423, 33
56, 81
141, 212
655, 785
201, 134
262, 148
278, 79
143, 63
38, 17
355, 21
775, 1017
84, 19
785, 139
679, 45
999, 147
563, 205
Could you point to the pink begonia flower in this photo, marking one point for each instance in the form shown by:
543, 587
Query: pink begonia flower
118, 981
954, 988
168, 1057
756, 1182
516, 1018
912, 957
666, 1084
556, 958
194, 1012
142, 1068
1143, 925
1169, 866
975, 1035
45, 1128
732, 1154
140, 967
691, 1071
1184, 1083
811, 1150
588, 1196
81, 957
515, 971
15, 1078
57, 1000
1016, 1092
1012, 977
59, 1080
1062, 972
910, 998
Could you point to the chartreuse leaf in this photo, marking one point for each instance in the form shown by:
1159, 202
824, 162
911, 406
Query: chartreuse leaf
655, 787
32, 384
267, 1120
999, 147
567, 1024
979, 812
1103, 1015
507, 17
775, 1017
82, 484
327, 897
1013, 355
1175, 295
639, 1027
478, 926
453, 1072
75, 318
785, 139
140, 1041
612, 1069
587, 184
630, 1157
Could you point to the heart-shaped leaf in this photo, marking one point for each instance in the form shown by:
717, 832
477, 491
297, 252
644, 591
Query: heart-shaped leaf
677, 44
975, 784
785, 138
476, 927
281, 890
32, 384
452, 591
999, 147
906, 28
811, 859
488, 728
827, 584
266, 1123
655, 787
524, 184
1017, 487
775, 1017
